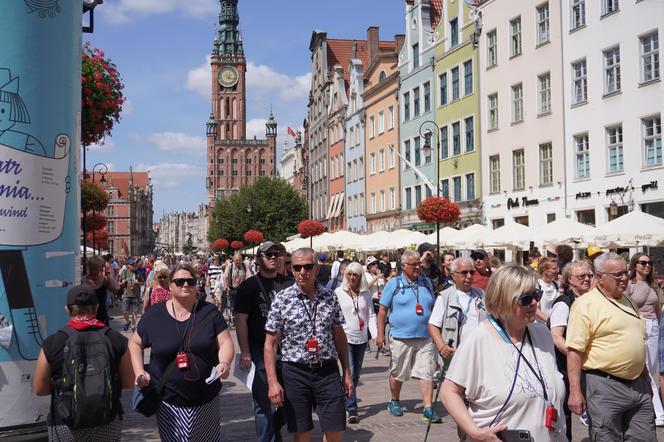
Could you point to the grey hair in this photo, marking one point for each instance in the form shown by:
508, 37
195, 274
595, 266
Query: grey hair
457, 261
601, 261
356, 268
567, 270
304, 251
408, 254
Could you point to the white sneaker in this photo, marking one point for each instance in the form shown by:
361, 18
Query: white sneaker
659, 422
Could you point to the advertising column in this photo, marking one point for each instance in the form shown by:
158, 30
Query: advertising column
40, 87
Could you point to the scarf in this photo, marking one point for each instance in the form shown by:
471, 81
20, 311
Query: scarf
84, 324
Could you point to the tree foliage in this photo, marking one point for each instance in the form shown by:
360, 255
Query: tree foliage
276, 209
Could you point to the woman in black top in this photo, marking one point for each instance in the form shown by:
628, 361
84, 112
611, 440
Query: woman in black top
192, 336
101, 284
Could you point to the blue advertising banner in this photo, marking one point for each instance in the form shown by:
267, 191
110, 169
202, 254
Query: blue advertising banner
40, 72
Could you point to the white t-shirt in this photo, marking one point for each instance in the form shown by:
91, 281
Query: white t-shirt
374, 288
549, 294
559, 315
471, 316
365, 310
485, 364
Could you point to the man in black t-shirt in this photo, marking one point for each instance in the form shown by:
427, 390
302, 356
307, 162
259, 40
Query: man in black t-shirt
252, 304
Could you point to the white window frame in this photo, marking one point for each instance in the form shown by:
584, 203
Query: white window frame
543, 31
517, 103
468, 148
457, 196
426, 97
390, 117
458, 83
443, 89
372, 163
611, 59
579, 81
494, 174
381, 160
651, 128
393, 198
610, 6
519, 166
360, 168
649, 56
493, 111
544, 93
492, 48
615, 161
582, 155
349, 210
546, 164
390, 157
383, 201
468, 71
372, 126
381, 122
577, 14
372, 201
516, 44
470, 189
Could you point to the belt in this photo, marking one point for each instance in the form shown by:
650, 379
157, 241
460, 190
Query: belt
608, 376
325, 363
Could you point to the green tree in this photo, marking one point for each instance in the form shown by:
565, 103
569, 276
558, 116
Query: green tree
270, 205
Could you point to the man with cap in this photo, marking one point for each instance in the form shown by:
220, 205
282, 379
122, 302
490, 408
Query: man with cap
252, 305
428, 266
130, 282
324, 270
334, 272
374, 276
482, 270
592, 253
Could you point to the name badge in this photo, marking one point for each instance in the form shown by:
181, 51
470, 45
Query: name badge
312, 345
419, 309
182, 360
361, 324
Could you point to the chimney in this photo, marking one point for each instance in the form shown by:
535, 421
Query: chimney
372, 43
399, 40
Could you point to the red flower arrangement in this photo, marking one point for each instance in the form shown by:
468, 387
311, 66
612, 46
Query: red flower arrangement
438, 210
253, 236
93, 197
309, 228
220, 244
95, 221
100, 238
101, 95
237, 245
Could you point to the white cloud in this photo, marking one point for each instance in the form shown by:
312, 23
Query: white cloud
170, 175
256, 128
108, 146
178, 142
127, 107
199, 79
124, 11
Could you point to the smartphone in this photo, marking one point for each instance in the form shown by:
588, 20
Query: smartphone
514, 436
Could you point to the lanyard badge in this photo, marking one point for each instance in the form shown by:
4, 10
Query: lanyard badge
182, 360
419, 309
312, 345
551, 417
361, 324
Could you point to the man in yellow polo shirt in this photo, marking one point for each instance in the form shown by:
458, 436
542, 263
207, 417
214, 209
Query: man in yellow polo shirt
606, 338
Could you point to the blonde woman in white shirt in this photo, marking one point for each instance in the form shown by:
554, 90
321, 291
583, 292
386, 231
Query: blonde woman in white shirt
357, 306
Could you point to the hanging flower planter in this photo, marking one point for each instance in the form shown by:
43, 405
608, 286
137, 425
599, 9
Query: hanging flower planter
309, 227
220, 244
438, 210
93, 197
237, 245
253, 236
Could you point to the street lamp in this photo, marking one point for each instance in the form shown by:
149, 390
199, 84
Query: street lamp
101, 169
427, 151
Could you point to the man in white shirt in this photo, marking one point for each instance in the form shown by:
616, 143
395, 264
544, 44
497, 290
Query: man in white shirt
335, 265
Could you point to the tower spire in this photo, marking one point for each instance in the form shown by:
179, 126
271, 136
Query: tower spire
229, 39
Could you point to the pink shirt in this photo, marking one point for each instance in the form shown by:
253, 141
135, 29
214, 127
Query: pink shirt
645, 297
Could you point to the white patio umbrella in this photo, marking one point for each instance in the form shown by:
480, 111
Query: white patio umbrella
563, 230
473, 237
342, 239
373, 241
632, 229
404, 238
448, 236
513, 236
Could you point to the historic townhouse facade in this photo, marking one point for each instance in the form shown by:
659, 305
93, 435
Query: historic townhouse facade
354, 150
336, 127
381, 138
521, 81
457, 110
614, 100
416, 94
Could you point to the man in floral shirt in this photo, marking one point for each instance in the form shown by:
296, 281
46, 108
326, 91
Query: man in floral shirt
305, 320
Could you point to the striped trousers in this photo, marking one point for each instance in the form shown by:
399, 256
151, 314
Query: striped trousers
183, 424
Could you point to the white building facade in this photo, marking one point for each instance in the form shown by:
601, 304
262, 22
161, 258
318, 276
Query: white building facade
614, 100
354, 150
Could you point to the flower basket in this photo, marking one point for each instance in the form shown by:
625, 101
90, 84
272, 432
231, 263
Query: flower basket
309, 228
99, 238
237, 245
253, 236
220, 244
95, 221
438, 210
93, 197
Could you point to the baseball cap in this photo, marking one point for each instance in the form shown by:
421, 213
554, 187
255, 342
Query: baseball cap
82, 295
426, 247
370, 260
322, 257
593, 251
478, 254
267, 245
131, 262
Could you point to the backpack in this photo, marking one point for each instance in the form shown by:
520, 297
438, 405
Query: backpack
87, 394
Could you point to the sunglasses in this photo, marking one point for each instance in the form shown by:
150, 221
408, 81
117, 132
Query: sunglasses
299, 267
616, 275
644, 263
527, 298
180, 282
465, 273
270, 255
584, 276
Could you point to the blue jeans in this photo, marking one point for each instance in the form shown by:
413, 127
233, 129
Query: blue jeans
355, 359
265, 427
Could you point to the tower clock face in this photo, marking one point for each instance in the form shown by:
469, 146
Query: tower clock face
227, 76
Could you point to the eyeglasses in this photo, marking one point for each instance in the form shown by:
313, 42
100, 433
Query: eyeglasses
416, 264
644, 263
465, 273
584, 276
527, 298
180, 282
616, 275
270, 255
299, 267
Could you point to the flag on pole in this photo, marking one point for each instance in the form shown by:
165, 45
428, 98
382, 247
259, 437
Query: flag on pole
291, 132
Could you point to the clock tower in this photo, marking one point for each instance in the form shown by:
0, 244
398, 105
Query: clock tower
233, 161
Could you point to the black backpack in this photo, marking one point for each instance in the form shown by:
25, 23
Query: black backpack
87, 394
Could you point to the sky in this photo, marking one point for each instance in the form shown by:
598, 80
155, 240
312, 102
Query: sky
161, 49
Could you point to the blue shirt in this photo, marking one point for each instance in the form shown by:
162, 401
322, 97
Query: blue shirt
400, 297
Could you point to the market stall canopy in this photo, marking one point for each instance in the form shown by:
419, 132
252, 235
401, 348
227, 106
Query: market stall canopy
562, 231
473, 237
513, 236
631, 229
342, 239
448, 237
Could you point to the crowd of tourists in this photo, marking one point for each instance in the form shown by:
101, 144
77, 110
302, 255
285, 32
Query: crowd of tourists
514, 350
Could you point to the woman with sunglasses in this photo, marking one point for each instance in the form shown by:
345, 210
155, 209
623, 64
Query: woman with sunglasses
357, 306
504, 375
645, 293
159, 288
189, 342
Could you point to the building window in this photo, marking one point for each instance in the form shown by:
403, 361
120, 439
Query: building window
649, 57
383, 203
468, 77
582, 155
493, 111
517, 103
360, 209
390, 157
456, 138
455, 83
652, 140
406, 106
457, 188
454, 32
546, 164
612, 70
349, 206
609, 6
406, 152
381, 122
444, 147
372, 163
234, 173
416, 102
351, 136
580, 79
427, 191
427, 140
470, 137
491, 49
519, 165
381, 160
418, 195
373, 202
418, 151
544, 93
543, 23
578, 13
409, 198
360, 168
427, 96
372, 127
494, 174
515, 37
110, 209
390, 117
445, 188
614, 144
110, 226
442, 85
470, 186
393, 199
416, 56
349, 172
586, 217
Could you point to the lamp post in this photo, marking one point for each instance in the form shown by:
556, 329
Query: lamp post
427, 151
101, 169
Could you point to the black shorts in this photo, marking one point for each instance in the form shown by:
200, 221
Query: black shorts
319, 389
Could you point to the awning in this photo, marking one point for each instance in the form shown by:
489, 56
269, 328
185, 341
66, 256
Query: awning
340, 204
331, 207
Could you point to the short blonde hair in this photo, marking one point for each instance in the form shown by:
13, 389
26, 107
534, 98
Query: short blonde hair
356, 268
505, 285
